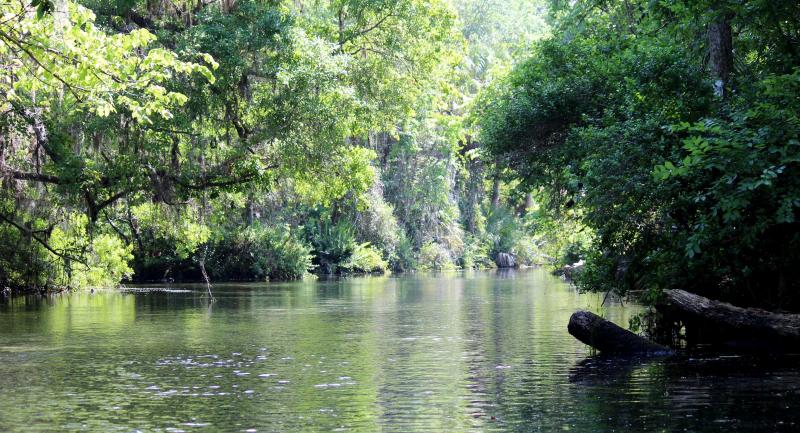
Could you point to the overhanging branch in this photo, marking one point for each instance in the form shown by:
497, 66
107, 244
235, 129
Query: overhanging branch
42, 242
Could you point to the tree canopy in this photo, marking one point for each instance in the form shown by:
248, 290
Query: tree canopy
670, 131
249, 139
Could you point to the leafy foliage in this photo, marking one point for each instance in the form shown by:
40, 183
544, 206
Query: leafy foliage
742, 190
259, 253
243, 140
615, 118
436, 257
365, 259
333, 242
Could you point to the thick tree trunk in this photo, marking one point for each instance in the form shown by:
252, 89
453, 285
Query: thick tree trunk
720, 49
609, 338
712, 321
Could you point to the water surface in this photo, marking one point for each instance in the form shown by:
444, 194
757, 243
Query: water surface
478, 352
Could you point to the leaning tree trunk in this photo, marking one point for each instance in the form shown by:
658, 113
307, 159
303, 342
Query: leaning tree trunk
609, 338
719, 322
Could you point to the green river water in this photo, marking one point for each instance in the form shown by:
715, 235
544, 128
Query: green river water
474, 352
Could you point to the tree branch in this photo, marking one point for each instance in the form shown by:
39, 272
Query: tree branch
368, 29
35, 177
41, 241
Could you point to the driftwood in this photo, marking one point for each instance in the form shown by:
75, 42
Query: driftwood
609, 338
727, 323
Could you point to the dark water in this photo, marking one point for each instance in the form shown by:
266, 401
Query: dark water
474, 353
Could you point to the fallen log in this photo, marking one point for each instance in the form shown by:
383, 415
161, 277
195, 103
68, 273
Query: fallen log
609, 338
729, 323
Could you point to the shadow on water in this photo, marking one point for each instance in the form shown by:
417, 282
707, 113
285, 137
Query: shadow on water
602, 370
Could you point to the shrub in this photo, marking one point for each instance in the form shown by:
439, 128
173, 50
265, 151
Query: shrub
278, 254
333, 244
107, 263
476, 254
434, 256
167, 241
105, 258
365, 259
528, 252
502, 232
404, 258
377, 224
259, 253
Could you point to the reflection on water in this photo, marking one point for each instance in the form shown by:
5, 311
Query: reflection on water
448, 353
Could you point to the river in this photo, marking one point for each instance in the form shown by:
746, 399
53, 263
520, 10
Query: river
461, 352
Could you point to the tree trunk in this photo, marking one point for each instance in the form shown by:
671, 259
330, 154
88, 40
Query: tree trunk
526, 204
496, 192
341, 28
249, 210
720, 48
472, 187
710, 321
609, 338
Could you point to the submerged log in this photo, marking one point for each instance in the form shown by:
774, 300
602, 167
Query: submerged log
729, 323
609, 338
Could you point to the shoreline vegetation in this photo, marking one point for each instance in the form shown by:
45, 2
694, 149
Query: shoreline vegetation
251, 140
638, 147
